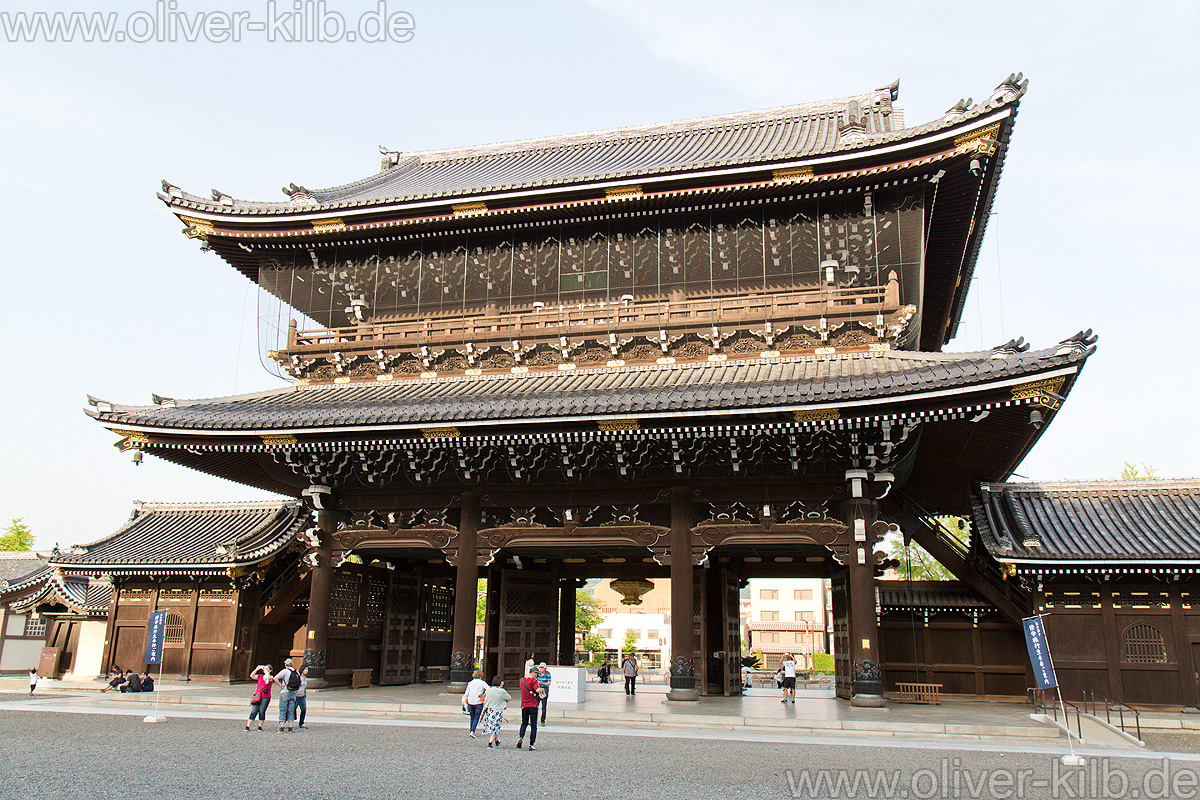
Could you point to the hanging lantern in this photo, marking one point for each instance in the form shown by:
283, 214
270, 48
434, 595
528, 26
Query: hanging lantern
632, 590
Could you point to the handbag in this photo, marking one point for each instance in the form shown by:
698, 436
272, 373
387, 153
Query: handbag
257, 697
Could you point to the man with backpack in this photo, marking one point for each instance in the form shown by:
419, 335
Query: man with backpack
289, 681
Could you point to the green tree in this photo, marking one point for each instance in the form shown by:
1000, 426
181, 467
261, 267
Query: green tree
594, 643
17, 536
481, 600
1139, 472
630, 646
915, 561
587, 611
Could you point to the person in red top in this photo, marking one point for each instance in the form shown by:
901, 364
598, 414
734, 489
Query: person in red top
531, 693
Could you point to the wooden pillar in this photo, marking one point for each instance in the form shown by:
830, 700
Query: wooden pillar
462, 648
860, 512
683, 636
318, 600
1183, 649
190, 639
110, 631
1112, 643
566, 622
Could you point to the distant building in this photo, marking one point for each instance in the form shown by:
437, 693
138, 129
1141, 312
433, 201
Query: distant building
651, 620
787, 615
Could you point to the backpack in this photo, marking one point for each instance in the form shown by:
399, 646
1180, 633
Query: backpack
293, 681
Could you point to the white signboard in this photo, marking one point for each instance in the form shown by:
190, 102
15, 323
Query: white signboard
567, 684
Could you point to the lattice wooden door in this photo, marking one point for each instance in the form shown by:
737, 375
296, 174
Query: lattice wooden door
528, 620
842, 666
731, 616
399, 658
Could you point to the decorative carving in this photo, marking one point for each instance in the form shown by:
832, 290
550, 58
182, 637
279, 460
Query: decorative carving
443, 432
866, 670
280, 439
461, 662
683, 667
314, 659
618, 424
1040, 392
817, 414
328, 225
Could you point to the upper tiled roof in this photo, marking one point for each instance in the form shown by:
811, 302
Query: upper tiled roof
198, 534
1106, 521
766, 136
734, 386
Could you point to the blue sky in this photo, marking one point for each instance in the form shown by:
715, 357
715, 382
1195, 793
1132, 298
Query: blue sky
1093, 226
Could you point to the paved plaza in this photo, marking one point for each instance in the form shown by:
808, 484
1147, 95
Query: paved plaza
57, 754
76, 743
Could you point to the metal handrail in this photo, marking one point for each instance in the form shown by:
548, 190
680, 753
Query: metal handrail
1038, 700
1111, 706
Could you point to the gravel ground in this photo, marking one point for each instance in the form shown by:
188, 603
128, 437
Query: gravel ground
1173, 742
56, 755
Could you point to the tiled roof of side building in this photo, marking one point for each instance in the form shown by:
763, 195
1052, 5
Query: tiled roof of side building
197, 534
17, 567
929, 596
735, 386
764, 136
1119, 521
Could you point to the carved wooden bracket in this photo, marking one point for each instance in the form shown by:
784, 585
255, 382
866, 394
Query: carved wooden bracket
579, 536
433, 537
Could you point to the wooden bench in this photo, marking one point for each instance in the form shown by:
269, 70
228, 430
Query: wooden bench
919, 693
360, 678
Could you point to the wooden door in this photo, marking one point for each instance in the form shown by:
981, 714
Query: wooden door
702, 656
398, 659
528, 624
839, 586
731, 615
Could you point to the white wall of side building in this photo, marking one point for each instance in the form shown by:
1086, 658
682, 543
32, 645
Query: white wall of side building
19, 653
787, 615
89, 651
653, 632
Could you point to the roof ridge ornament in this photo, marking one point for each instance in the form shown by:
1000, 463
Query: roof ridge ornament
1009, 88
172, 191
892, 90
1077, 343
959, 108
853, 127
1010, 348
224, 198
299, 195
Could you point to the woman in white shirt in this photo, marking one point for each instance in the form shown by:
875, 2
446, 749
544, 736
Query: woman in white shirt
473, 699
495, 700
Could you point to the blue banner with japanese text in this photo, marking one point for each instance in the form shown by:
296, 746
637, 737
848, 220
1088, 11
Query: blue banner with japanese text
155, 630
1039, 652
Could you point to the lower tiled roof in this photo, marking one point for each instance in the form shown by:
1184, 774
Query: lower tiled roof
929, 596
1118, 521
734, 386
81, 595
196, 534
17, 569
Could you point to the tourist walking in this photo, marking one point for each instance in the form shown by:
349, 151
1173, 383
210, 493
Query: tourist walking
495, 700
788, 665
262, 694
289, 682
543, 676
33, 680
302, 698
472, 699
630, 667
531, 693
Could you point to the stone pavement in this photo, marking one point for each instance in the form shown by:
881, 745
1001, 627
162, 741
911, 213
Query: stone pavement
815, 712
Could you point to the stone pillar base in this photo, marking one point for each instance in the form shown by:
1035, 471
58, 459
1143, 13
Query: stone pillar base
456, 687
685, 695
868, 701
318, 683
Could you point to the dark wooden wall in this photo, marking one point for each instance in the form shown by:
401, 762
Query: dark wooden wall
1088, 629
206, 613
981, 660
